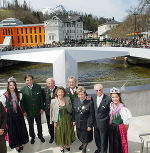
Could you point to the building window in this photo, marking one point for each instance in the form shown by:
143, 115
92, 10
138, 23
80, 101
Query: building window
49, 37
31, 39
34, 29
70, 31
22, 39
11, 31
36, 38
27, 39
18, 40
26, 31
30, 30
39, 29
3, 32
17, 31
22, 30
8, 31
12, 39
40, 38
52, 37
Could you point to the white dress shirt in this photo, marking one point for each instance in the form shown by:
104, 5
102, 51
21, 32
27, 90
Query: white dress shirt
99, 99
73, 90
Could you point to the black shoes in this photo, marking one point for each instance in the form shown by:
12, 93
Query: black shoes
51, 140
68, 149
97, 151
62, 150
81, 147
42, 139
83, 150
32, 141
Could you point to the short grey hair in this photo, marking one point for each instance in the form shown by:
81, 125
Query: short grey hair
72, 77
98, 85
50, 79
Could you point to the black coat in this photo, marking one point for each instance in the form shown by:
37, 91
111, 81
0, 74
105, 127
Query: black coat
47, 98
83, 113
101, 114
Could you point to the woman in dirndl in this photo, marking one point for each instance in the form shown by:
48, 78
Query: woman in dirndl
17, 131
119, 122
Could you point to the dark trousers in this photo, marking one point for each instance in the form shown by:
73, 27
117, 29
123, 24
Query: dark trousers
31, 125
3, 148
101, 139
50, 126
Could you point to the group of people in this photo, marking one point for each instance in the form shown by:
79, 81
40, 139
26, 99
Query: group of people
64, 110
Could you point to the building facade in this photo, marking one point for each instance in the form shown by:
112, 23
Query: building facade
61, 28
28, 35
104, 29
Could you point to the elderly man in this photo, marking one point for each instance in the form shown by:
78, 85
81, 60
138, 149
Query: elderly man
48, 95
71, 90
32, 106
101, 118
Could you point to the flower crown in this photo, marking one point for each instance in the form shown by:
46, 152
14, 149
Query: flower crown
114, 90
11, 79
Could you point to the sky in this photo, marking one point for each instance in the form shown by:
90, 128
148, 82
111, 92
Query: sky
100, 8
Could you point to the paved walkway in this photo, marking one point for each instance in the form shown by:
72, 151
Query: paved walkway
138, 125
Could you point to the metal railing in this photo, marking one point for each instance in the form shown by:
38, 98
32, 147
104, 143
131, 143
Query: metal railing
142, 136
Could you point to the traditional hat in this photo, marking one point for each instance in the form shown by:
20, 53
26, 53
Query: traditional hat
11, 79
114, 90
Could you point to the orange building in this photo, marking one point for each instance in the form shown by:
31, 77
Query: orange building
22, 35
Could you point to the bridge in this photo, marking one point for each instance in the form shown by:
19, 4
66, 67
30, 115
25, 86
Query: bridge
65, 59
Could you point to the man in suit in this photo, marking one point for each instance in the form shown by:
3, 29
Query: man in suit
48, 95
32, 106
101, 118
71, 90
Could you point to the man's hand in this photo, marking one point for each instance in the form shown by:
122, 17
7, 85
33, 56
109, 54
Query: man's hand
89, 129
41, 111
1, 131
88, 97
74, 124
25, 114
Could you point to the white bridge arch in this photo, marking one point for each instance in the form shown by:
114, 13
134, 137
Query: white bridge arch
65, 59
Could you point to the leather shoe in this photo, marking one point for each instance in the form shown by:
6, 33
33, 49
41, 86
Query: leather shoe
42, 139
32, 141
62, 150
97, 151
83, 150
68, 149
81, 147
51, 140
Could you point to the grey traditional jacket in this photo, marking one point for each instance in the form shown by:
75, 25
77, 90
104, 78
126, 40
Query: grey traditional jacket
54, 108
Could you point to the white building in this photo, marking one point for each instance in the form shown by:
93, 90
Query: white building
61, 28
104, 29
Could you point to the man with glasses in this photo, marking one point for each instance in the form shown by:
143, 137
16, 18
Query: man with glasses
101, 118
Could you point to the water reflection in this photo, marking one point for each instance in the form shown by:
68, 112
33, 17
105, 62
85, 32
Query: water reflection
101, 70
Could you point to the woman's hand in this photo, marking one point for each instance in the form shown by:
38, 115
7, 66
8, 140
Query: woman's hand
89, 129
41, 111
55, 124
127, 126
74, 124
1, 131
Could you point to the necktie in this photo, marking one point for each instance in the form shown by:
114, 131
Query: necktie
72, 91
51, 94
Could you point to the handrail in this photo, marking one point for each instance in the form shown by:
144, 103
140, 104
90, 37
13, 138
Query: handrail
142, 141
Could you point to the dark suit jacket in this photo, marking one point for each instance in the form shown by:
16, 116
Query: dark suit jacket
101, 114
72, 97
32, 100
83, 113
3, 118
47, 98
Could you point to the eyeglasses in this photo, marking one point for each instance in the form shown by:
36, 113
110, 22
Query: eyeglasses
98, 90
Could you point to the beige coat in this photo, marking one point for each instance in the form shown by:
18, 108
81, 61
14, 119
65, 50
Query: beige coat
55, 107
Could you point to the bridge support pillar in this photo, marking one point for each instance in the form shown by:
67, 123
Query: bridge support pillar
63, 67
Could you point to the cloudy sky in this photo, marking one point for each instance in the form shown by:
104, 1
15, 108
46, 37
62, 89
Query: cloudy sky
100, 8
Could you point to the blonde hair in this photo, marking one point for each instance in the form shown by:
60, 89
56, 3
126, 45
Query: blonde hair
81, 89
